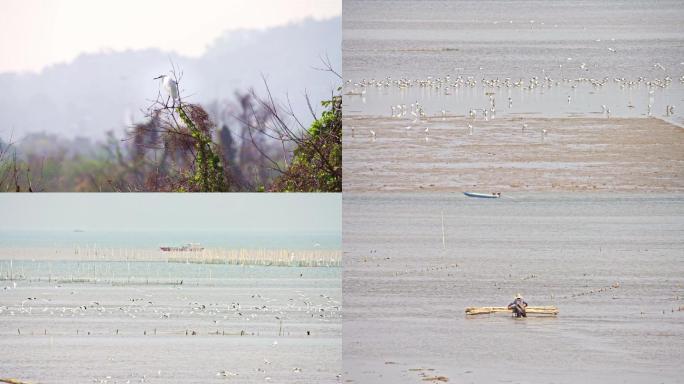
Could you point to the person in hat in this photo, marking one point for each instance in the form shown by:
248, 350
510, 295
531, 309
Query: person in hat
518, 306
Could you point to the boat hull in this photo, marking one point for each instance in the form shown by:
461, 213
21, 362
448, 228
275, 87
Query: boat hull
185, 248
481, 195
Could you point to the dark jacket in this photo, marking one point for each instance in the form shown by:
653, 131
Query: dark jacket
515, 302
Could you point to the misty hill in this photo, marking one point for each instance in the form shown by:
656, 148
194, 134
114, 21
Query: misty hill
106, 91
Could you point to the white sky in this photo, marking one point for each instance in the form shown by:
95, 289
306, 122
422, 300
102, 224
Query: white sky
38, 33
292, 212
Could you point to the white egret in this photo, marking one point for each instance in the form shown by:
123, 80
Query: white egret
170, 86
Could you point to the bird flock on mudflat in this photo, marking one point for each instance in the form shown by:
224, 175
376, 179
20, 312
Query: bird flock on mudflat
416, 113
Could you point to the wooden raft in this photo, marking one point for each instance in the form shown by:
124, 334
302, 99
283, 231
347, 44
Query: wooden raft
551, 311
13, 381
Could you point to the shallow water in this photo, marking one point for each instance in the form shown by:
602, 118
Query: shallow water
516, 40
153, 272
612, 263
251, 322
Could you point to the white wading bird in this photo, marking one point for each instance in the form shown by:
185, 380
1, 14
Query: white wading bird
170, 86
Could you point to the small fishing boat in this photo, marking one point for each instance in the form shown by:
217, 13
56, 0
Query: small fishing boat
494, 195
191, 247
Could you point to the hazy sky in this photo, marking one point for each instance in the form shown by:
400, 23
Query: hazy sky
37, 33
191, 211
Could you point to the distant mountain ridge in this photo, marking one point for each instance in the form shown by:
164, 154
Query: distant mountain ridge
99, 92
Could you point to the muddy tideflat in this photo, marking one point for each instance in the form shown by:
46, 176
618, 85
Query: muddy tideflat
575, 154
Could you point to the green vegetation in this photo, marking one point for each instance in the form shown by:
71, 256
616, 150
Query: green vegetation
317, 162
208, 175
179, 149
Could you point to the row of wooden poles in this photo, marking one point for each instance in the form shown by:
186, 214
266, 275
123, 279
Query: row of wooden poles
244, 256
276, 257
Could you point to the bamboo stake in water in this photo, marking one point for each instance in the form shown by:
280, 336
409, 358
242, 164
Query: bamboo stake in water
443, 233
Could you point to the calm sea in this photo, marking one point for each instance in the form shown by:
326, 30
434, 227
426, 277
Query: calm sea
154, 239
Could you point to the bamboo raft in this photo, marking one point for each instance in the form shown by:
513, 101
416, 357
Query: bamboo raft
550, 310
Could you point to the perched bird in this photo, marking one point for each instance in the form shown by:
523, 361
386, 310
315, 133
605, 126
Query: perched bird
170, 86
